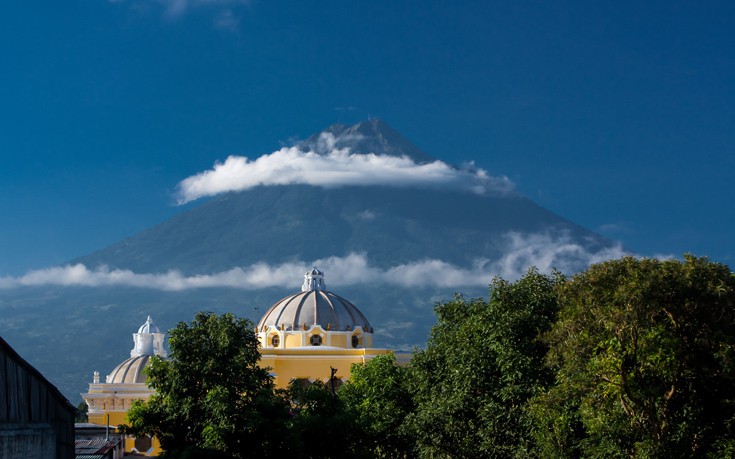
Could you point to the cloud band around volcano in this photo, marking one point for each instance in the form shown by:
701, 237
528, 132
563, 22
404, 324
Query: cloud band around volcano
334, 168
544, 251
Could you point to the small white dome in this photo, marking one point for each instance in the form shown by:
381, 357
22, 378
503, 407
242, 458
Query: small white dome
149, 327
148, 340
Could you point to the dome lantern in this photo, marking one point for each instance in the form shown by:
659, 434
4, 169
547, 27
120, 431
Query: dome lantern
148, 341
313, 280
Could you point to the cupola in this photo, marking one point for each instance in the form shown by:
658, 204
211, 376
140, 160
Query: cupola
314, 317
314, 305
147, 343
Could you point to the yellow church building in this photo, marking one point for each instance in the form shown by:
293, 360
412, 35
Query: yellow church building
307, 333
303, 336
109, 401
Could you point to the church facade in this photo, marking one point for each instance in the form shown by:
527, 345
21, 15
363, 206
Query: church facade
109, 401
307, 336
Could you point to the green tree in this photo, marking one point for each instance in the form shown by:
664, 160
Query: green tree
82, 412
378, 393
212, 394
322, 426
645, 353
483, 362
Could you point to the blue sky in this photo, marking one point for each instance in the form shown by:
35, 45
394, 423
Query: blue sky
619, 116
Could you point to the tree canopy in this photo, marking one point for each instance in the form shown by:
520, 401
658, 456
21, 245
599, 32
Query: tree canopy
630, 358
483, 361
378, 395
323, 427
644, 352
211, 393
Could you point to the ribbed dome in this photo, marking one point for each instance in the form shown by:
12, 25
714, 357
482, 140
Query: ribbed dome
314, 307
130, 371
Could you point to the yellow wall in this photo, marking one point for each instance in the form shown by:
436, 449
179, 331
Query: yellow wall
313, 363
113, 400
293, 340
338, 340
117, 418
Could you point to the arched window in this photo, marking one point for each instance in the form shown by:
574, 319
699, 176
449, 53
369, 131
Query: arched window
355, 341
275, 341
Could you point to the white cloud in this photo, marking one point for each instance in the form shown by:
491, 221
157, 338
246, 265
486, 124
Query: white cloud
545, 251
366, 215
333, 167
227, 20
173, 9
179, 7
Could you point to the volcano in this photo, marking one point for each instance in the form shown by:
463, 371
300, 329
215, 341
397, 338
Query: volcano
414, 245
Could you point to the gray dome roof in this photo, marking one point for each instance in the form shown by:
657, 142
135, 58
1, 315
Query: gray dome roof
130, 371
314, 307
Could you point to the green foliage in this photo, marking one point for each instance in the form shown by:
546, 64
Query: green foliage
483, 362
81, 414
378, 394
322, 426
644, 351
631, 358
211, 393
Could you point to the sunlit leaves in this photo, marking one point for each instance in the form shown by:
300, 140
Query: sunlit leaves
482, 363
643, 350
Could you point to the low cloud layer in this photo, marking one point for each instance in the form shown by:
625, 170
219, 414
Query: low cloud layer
333, 167
544, 251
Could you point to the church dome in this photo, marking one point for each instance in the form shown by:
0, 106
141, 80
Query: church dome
148, 342
130, 371
314, 305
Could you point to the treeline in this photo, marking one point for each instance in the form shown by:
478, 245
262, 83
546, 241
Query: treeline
631, 358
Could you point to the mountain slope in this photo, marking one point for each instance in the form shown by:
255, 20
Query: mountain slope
278, 224
68, 332
299, 222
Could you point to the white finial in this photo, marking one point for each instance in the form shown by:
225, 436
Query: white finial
96, 377
313, 280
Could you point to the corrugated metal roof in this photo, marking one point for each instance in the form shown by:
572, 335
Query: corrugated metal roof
95, 447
